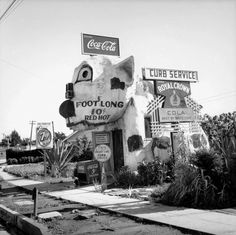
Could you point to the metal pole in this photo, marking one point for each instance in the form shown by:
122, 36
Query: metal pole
103, 178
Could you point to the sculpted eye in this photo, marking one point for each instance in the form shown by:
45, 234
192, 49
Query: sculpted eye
85, 74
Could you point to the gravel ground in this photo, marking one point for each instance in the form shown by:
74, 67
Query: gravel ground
76, 218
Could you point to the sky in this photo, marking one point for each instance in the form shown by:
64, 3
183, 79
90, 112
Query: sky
40, 45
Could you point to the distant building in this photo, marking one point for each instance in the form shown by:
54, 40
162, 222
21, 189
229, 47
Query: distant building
2, 153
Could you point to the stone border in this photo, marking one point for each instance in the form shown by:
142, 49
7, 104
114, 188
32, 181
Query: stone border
25, 224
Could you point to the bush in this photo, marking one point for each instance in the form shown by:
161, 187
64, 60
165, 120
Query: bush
26, 170
127, 178
23, 157
12, 161
159, 191
155, 172
221, 131
148, 173
200, 183
81, 150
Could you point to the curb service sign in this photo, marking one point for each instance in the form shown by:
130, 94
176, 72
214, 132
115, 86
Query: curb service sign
44, 135
169, 75
100, 45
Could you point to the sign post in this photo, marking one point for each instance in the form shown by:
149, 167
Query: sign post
35, 198
102, 153
44, 138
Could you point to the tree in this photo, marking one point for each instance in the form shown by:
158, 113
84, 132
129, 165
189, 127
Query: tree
5, 141
221, 131
25, 142
15, 138
59, 136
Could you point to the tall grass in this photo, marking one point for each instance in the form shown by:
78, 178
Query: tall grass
200, 183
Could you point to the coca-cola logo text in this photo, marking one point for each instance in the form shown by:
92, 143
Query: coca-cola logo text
104, 46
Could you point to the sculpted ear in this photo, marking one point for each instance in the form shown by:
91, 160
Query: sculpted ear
127, 66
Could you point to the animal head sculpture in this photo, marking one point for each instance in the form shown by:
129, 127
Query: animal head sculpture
98, 92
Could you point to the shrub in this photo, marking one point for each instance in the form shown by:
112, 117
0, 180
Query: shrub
58, 157
25, 170
200, 183
127, 178
23, 157
81, 150
155, 172
221, 131
12, 161
159, 191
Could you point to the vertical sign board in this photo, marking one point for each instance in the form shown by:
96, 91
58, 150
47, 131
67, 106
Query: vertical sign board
44, 135
100, 45
102, 153
101, 139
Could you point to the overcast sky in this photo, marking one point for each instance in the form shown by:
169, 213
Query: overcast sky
40, 45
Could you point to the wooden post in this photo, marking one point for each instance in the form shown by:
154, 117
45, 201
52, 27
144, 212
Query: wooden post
35, 198
31, 130
45, 164
103, 178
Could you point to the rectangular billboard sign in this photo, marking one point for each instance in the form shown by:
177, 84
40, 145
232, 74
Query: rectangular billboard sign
44, 135
176, 115
169, 75
100, 45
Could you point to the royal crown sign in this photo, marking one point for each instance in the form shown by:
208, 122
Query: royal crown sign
174, 93
169, 75
100, 45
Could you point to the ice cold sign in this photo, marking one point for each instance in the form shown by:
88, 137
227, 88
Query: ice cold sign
102, 153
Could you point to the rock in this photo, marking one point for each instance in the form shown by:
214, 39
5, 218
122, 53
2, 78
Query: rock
49, 215
86, 214
24, 202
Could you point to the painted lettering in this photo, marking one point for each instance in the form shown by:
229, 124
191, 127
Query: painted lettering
170, 85
100, 103
105, 46
151, 72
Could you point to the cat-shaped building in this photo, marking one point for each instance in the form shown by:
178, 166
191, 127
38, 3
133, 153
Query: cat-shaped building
109, 105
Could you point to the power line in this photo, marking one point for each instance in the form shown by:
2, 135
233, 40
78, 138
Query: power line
14, 8
18, 67
226, 92
10, 9
218, 96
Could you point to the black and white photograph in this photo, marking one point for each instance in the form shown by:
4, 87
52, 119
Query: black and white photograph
117, 117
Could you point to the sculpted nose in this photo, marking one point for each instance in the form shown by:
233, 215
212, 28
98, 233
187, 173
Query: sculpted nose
67, 109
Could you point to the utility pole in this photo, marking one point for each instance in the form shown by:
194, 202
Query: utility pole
32, 123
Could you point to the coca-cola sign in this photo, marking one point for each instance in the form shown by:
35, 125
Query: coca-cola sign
100, 45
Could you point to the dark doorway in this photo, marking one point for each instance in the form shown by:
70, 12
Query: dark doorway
118, 153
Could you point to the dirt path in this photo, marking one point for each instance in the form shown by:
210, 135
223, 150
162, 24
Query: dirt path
76, 218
